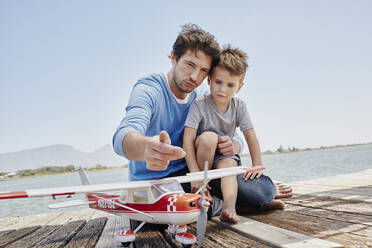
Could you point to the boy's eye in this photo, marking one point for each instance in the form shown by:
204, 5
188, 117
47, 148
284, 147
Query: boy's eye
231, 85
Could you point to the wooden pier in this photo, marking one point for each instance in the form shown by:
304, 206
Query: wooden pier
327, 212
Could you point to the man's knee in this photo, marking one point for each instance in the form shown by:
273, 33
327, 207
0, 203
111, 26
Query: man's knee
256, 192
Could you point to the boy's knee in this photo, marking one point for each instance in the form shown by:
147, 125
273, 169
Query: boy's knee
208, 140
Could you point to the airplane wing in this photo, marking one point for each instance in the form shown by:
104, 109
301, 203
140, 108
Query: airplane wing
94, 188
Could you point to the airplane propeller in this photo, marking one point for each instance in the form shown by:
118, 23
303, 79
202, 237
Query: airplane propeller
203, 204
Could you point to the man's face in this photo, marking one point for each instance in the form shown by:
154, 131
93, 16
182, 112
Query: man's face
189, 71
223, 85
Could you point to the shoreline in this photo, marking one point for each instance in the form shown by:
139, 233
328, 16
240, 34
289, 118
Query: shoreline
62, 173
266, 153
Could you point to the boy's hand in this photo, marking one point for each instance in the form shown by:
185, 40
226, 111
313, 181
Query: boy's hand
159, 151
252, 175
226, 146
195, 186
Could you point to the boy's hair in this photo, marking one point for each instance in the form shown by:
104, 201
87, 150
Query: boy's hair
193, 38
233, 60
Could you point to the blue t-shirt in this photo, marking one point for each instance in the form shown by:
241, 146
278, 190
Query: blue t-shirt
152, 108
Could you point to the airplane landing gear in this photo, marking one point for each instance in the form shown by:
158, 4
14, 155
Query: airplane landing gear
126, 244
178, 232
125, 237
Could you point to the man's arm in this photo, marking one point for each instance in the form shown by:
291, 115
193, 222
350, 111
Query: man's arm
129, 139
157, 151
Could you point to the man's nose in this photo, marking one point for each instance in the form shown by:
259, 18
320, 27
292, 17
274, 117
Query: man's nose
194, 75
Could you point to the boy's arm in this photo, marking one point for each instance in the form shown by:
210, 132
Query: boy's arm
189, 136
255, 151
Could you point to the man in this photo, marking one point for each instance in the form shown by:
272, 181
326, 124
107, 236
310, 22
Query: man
150, 135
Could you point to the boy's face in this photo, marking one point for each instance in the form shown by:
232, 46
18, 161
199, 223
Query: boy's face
223, 85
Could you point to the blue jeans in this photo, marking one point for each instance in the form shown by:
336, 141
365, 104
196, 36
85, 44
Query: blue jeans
253, 193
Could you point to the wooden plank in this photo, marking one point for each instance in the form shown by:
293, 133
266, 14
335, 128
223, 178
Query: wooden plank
10, 237
28, 221
219, 236
150, 238
89, 234
274, 236
334, 205
114, 223
61, 236
331, 230
332, 195
5, 232
353, 218
34, 238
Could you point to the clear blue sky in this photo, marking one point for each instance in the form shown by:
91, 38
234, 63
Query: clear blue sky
67, 67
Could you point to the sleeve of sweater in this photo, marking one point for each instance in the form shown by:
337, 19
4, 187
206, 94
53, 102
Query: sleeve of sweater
140, 107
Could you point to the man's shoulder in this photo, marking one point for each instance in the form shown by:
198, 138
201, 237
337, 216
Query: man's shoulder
154, 84
152, 80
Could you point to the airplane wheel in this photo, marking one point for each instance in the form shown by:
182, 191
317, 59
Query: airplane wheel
126, 244
186, 246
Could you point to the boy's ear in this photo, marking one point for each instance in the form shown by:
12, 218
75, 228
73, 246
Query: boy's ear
240, 86
173, 58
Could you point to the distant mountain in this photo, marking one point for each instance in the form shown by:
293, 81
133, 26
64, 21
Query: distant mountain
59, 155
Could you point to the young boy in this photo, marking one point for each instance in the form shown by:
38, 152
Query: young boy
216, 115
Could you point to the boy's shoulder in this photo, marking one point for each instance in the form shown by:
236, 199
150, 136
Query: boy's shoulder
238, 101
203, 99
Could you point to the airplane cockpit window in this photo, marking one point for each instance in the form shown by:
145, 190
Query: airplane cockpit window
159, 188
140, 196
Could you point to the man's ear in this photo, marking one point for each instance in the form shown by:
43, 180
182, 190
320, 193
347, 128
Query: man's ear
173, 58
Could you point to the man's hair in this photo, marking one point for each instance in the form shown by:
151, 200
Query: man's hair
193, 38
234, 61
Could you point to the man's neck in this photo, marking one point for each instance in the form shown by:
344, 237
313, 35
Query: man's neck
173, 87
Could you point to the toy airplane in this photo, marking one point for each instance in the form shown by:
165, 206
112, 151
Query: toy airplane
160, 201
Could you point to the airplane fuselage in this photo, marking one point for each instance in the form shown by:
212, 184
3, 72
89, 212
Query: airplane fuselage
173, 208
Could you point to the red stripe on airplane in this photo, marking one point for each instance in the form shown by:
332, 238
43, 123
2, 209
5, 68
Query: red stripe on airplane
15, 194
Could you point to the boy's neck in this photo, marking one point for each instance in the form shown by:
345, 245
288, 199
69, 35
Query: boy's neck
222, 107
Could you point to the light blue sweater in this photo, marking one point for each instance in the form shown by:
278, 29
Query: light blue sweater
151, 109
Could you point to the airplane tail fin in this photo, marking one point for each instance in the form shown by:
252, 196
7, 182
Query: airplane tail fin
83, 176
